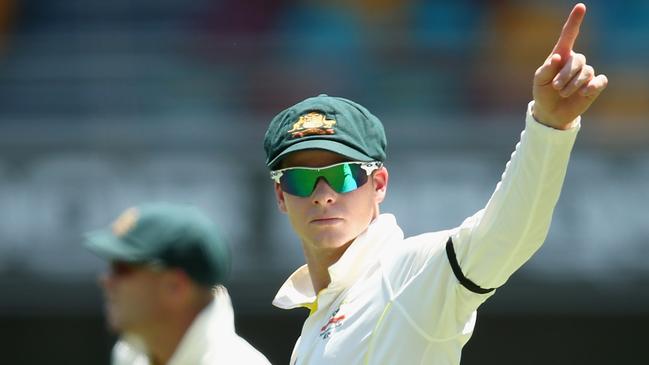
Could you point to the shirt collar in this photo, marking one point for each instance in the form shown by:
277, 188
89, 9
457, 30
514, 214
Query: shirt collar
298, 290
215, 321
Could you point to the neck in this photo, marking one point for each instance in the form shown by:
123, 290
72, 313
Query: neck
162, 339
318, 260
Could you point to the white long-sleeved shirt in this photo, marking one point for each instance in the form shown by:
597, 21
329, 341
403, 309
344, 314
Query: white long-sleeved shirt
396, 300
210, 340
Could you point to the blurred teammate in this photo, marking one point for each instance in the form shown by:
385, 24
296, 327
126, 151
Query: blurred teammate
375, 297
162, 291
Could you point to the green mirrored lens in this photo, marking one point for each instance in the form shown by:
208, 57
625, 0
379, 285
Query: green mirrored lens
342, 178
300, 182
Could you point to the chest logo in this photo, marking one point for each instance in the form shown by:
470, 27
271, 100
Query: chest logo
334, 322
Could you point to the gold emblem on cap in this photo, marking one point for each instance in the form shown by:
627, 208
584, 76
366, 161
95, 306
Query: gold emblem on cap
125, 222
312, 123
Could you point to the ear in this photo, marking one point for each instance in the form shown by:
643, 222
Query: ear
380, 180
176, 285
279, 195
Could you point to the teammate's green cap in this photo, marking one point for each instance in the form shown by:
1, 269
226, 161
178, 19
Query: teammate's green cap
174, 236
329, 123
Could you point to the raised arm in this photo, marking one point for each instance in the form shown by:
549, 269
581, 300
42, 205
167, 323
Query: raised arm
495, 242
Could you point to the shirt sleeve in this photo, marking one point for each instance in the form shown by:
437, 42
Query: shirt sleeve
497, 240
490, 245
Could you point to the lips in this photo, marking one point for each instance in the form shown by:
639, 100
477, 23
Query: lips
326, 220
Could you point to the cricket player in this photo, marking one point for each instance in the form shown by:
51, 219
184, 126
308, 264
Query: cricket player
376, 297
162, 291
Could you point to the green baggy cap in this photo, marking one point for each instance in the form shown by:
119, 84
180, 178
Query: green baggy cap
329, 123
176, 236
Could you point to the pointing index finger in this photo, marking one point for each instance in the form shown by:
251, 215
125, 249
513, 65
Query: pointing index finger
570, 31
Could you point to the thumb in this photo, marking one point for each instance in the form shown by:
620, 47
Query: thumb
546, 73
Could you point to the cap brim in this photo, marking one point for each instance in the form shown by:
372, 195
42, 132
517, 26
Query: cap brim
107, 246
322, 144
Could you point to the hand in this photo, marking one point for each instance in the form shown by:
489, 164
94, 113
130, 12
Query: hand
565, 86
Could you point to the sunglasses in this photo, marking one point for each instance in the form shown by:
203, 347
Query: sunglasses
124, 268
342, 177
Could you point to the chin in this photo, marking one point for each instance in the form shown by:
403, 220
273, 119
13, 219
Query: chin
114, 326
330, 239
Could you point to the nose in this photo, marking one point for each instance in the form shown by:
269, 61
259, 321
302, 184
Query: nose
323, 194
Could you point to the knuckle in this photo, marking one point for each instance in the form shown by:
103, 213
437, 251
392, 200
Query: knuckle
604, 79
580, 58
587, 73
589, 70
593, 87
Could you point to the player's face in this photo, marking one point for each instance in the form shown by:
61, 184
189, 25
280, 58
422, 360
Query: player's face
132, 295
328, 219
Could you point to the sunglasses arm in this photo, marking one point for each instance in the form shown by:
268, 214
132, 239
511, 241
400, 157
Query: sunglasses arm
370, 167
276, 175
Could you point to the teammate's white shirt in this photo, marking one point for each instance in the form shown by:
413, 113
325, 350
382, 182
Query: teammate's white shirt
210, 340
397, 301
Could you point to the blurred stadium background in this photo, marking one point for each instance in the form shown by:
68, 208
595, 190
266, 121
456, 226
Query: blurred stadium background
105, 104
